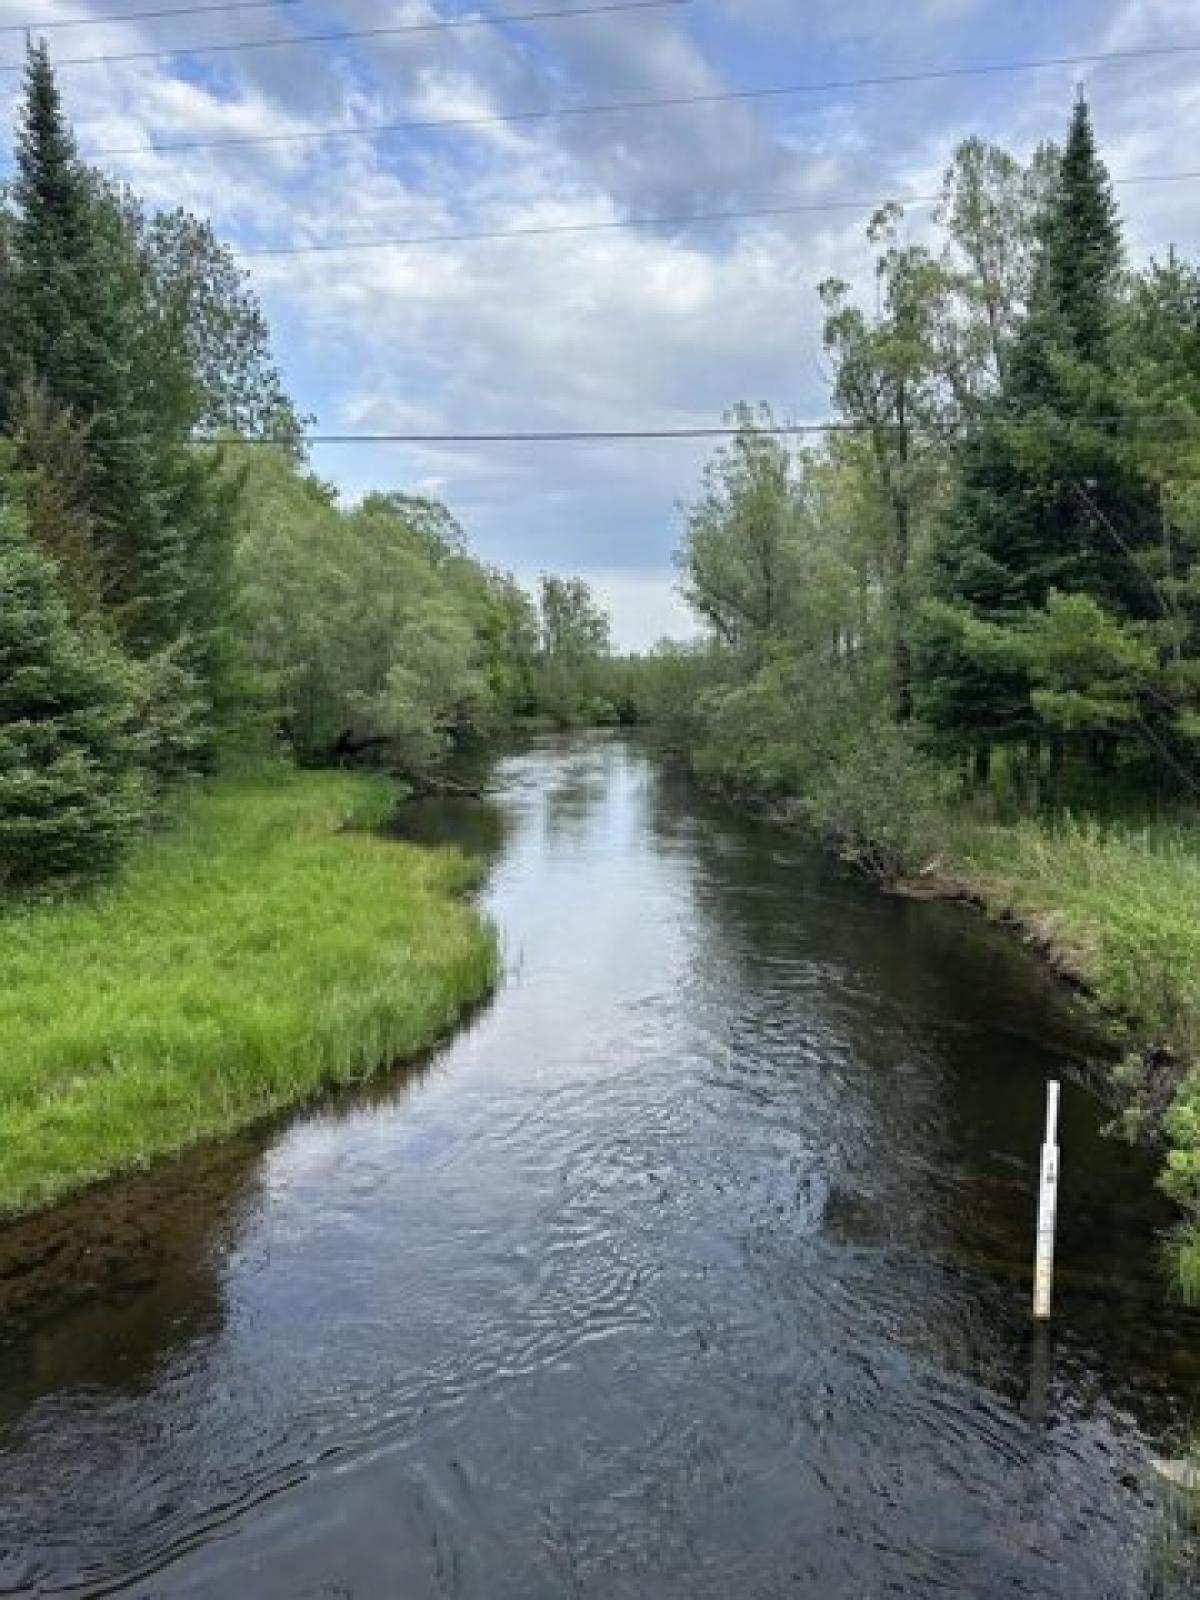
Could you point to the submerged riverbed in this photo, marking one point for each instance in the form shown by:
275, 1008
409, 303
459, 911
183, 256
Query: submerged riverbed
697, 1266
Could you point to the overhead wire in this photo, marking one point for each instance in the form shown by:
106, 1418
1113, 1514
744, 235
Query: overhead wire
601, 7
654, 103
108, 20
340, 35
615, 224
1184, 425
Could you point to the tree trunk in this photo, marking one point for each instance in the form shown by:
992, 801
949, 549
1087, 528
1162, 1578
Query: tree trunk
1033, 776
982, 774
1058, 767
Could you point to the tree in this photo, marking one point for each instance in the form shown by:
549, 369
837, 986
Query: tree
119, 331
52, 447
372, 633
71, 795
739, 557
208, 328
890, 384
73, 291
510, 638
428, 523
932, 353
574, 628
989, 207
1080, 257
434, 691
1048, 500
573, 679
295, 583
1158, 362
56, 296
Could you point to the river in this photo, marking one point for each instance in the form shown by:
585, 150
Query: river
697, 1265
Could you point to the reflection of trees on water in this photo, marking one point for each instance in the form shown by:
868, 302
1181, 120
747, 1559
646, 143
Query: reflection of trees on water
578, 785
100, 1451
475, 826
98, 1290
910, 1043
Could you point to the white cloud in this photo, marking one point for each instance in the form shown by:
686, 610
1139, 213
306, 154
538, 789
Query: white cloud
608, 329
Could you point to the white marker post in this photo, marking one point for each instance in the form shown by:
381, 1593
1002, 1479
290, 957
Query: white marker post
1043, 1270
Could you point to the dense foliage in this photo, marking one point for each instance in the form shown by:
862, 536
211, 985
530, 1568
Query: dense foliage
997, 558
68, 769
165, 589
373, 634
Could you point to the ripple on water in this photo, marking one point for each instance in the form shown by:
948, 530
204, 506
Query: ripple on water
696, 1267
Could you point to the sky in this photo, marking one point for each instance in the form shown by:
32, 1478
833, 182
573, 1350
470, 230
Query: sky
638, 327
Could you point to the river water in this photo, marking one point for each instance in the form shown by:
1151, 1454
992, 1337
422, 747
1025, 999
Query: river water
696, 1266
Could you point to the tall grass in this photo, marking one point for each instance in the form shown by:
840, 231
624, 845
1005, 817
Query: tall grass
266, 947
1123, 906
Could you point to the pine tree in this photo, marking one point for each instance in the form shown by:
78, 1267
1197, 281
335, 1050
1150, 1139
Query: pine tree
70, 792
59, 326
1048, 501
87, 332
1081, 256
75, 292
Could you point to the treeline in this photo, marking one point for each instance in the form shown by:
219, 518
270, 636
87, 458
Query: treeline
987, 579
169, 591
373, 634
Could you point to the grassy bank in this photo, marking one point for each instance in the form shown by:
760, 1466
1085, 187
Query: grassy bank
266, 947
1119, 907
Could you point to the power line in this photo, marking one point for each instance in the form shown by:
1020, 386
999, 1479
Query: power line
615, 224
444, 25
947, 427
554, 229
663, 103
1182, 425
102, 21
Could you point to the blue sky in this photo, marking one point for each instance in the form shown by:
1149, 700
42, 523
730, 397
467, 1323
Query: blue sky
644, 327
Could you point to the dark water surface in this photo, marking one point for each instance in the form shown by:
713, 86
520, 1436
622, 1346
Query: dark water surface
696, 1267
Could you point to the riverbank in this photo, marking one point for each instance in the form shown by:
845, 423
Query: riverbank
1116, 910
270, 945
1113, 909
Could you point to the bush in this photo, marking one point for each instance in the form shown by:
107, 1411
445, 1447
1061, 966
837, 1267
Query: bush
880, 802
819, 745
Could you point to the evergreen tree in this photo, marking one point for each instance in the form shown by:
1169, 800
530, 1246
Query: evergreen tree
1048, 499
105, 348
1081, 257
51, 449
59, 325
70, 791
75, 332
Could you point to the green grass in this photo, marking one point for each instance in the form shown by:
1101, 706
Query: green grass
1122, 905
266, 947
